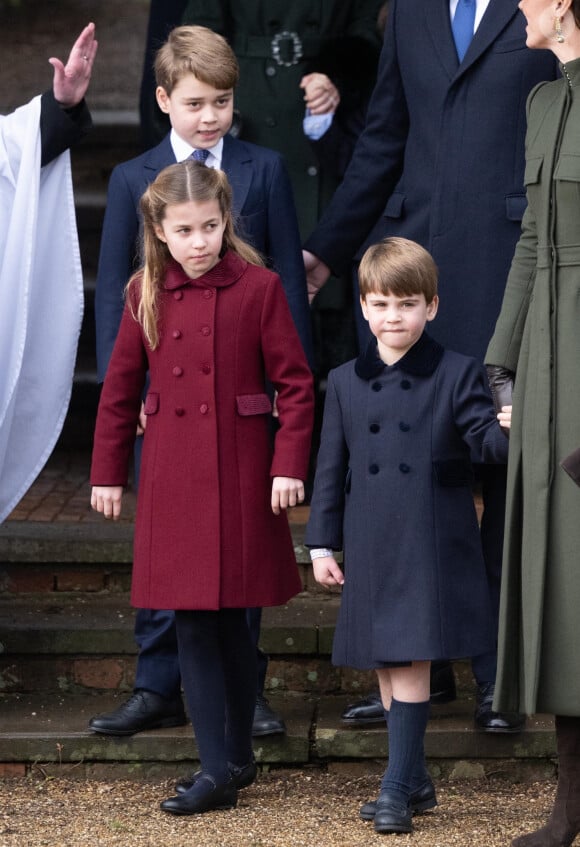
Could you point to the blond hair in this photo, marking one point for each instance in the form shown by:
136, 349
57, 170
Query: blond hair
199, 51
188, 181
398, 266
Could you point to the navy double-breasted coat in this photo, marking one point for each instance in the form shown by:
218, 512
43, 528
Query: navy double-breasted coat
393, 490
205, 534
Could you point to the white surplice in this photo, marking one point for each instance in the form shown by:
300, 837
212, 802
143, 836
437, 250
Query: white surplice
41, 301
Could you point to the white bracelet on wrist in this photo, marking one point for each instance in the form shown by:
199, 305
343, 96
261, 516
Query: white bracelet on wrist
320, 553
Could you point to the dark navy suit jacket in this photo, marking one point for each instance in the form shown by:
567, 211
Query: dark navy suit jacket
441, 159
265, 216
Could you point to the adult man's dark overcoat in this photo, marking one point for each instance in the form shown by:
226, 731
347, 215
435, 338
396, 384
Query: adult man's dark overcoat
441, 160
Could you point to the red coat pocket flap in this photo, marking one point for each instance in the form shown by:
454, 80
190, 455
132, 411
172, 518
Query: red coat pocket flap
151, 405
253, 404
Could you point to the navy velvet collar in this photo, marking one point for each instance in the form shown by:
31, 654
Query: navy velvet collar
421, 360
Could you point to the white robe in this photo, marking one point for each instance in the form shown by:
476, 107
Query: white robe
41, 301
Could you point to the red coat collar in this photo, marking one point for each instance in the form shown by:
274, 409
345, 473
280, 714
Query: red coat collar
227, 271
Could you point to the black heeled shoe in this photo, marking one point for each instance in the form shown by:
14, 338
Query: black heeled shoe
205, 795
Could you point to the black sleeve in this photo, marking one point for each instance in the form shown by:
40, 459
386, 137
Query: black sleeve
61, 128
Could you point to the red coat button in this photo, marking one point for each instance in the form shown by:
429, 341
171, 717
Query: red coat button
206, 330
177, 371
177, 295
176, 333
204, 408
179, 412
206, 369
208, 294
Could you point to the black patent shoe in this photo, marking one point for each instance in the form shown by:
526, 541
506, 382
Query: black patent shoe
205, 795
488, 720
242, 777
144, 710
366, 711
266, 721
391, 815
421, 800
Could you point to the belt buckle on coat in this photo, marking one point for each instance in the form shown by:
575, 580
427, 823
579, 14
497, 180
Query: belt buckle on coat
290, 43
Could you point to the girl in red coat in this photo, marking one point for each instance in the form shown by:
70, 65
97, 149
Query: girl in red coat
210, 324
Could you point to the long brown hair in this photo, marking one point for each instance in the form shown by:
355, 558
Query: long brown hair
188, 181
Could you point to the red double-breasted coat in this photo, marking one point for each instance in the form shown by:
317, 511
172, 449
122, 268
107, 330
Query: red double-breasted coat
205, 534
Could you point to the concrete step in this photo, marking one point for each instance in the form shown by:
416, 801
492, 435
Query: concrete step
50, 733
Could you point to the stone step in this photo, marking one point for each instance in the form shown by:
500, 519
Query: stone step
50, 733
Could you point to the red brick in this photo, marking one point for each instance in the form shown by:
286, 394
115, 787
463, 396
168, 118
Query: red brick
26, 580
99, 673
8, 769
81, 580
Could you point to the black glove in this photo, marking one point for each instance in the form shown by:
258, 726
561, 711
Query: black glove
501, 384
571, 464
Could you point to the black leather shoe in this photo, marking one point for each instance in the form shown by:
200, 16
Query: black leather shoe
421, 800
366, 711
488, 720
241, 777
266, 721
144, 710
204, 796
443, 688
391, 815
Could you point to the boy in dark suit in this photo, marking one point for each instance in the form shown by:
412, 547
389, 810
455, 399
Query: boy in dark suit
402, 425
196, 73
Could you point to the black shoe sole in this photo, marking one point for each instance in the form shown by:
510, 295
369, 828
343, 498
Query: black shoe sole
167, 723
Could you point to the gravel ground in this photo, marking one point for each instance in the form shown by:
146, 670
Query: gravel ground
284, 809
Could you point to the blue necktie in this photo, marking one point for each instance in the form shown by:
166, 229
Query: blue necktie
200, 156
463, 25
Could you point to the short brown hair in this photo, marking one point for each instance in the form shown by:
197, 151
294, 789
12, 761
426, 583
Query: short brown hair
400, 267
199, 51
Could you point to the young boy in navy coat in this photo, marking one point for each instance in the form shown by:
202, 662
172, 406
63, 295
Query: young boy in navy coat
196, 73
402, 425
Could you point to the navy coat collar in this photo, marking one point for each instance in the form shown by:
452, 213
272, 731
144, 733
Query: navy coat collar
421, 360
495, 19
227, 271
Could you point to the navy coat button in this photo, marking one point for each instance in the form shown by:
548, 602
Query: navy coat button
179, 412
404, 468
404, 427
176, 333
376, 386
374, 469
177, 295
405, 384
204, 408
312, 170
177, 371
374, 428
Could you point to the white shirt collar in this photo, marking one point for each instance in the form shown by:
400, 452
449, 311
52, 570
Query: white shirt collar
183, 150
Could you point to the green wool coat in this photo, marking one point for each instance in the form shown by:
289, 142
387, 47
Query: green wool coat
538, 336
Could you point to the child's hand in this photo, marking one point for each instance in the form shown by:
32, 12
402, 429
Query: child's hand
107, 499
286, 491
327, 571
320, 94
505, 417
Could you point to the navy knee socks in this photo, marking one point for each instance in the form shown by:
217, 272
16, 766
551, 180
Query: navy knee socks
406, 770
218, 671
